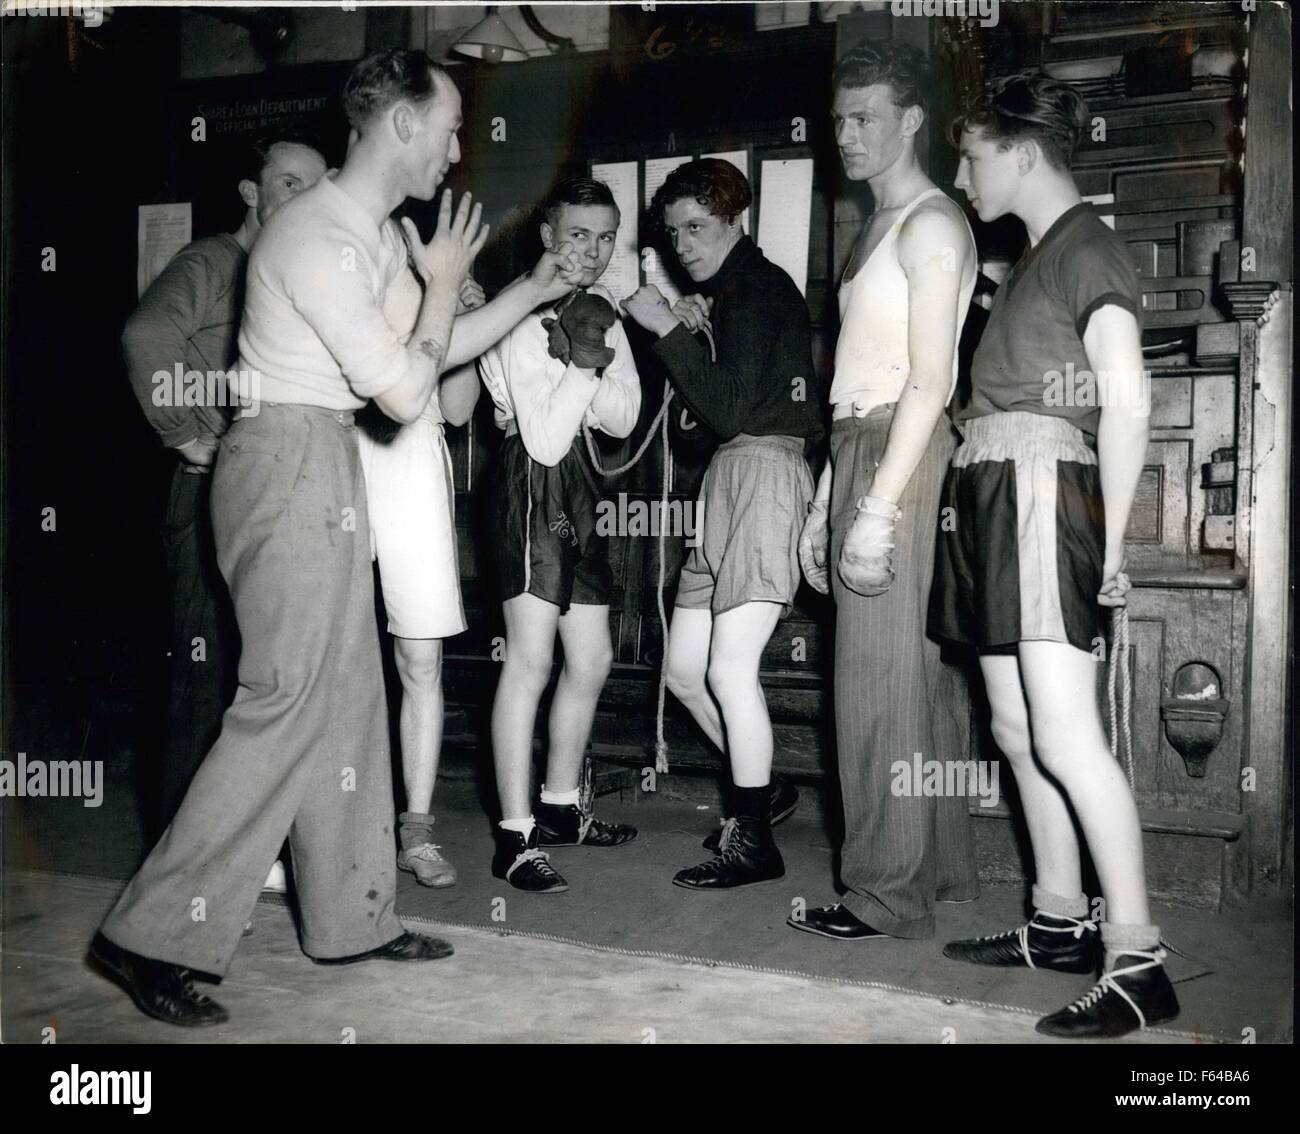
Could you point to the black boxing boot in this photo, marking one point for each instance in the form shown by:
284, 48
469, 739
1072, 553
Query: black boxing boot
520, 863
1063, 944
1134, 993
568, 825
746, 853
784, 803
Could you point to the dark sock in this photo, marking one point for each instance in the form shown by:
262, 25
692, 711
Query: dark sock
753, 803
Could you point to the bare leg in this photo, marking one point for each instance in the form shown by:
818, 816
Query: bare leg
419, 666
1061, 690
1051, 826
688, 665
588, 655
530, 647
739, 636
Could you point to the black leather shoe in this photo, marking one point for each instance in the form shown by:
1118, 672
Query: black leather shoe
407, 947
160, 989
567, 825
1063, 944
747, 855
835, 921
520, 863
785, 802
1135, 994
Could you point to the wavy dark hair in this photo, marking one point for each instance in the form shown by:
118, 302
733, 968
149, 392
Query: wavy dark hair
386, 77
716, 184
1028, 106
902, 67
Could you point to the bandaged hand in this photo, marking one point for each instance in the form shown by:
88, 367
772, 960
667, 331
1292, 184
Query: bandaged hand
866, 559
814, 544
578, 335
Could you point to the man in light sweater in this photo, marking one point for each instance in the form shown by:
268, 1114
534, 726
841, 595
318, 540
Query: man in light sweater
303, 749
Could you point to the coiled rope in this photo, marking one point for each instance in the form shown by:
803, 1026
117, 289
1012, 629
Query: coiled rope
658, 425
1119, 694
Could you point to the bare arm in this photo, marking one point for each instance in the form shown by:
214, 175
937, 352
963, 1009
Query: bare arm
444, 263
475, 331
934, 251
823, 493
1114, 346
458, 393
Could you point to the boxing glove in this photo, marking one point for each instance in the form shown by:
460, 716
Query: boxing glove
578, 335
866, 559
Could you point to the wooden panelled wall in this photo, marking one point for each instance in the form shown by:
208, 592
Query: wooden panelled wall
1170, 155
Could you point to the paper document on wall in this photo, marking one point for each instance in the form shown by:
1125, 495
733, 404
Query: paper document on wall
785, 216
163, 231
623, 275
740, 159
656, 172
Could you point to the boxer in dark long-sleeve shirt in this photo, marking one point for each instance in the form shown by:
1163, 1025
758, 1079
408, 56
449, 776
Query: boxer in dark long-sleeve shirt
761, 396
763, 336
189, 318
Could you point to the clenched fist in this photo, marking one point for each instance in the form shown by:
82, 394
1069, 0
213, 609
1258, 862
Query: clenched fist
650, 309
814, 544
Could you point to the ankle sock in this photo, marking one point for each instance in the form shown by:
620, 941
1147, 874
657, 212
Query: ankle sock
415, 828
1120, 939
561, 798
753, 802
522, 826
1060, 906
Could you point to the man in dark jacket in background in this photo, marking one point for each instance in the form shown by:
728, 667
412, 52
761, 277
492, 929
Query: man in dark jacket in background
189, 318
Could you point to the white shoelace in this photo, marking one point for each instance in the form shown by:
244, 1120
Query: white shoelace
1108, 983
427, 852
540, 856
1076, 930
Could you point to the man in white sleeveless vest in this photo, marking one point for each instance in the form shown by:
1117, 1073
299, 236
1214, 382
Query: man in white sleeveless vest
870, 533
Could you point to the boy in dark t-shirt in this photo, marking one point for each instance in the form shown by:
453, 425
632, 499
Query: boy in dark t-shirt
1055, 438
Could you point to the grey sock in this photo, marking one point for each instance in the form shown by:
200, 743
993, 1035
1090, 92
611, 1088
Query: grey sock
415, 829
1059, 906
1127, 938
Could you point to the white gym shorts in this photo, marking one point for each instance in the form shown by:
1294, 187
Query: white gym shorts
410, 497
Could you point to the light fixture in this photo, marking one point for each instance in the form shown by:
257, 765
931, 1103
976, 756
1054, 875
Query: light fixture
490, 40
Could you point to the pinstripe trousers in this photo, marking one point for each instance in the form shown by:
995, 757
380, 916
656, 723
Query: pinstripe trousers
894, 696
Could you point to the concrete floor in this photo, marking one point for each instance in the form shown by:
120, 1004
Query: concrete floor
621, 952
498, 988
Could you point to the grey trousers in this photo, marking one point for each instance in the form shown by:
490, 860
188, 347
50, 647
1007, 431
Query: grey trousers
304, 747
894, 696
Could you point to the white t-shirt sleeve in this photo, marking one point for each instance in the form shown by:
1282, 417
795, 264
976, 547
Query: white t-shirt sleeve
617, 403
336, 288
